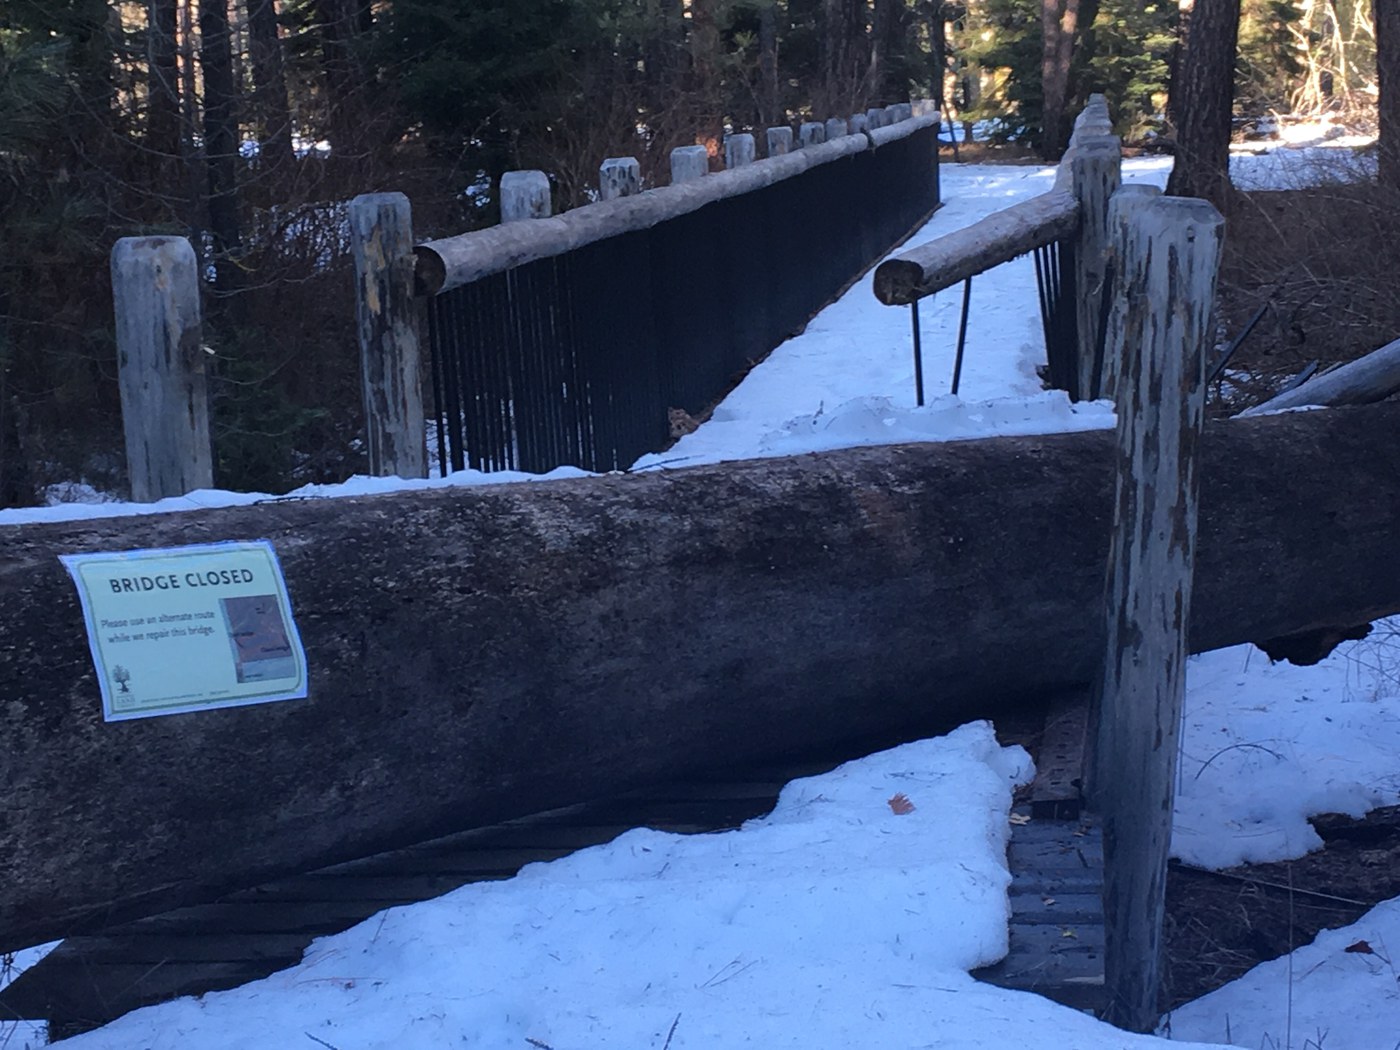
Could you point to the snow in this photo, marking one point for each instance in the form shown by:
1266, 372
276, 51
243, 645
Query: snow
837, 921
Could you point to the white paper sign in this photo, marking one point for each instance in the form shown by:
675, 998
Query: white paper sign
189, 628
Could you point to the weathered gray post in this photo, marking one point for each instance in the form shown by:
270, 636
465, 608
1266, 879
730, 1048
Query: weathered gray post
738, 150
1123, 207
835, 128
858, 123
779, 141
161, 367
811, 134
619, 177
689, 163
525, 195
381, 239
893, 114
875, 118
1169, 257
1095, 165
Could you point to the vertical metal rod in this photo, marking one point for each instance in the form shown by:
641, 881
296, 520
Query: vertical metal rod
435, 352
918, 354
962, 335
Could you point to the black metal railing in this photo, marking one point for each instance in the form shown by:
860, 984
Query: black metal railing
580, 358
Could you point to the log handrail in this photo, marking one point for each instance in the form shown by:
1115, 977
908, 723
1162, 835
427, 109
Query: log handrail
1001, 236
450, 262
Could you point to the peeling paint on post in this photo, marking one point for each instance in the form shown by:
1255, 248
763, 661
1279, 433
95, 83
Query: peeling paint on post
619, 177
738, 150
525, 195
689, 163
779, 141
381, 239
1095, 165
1168, 257
161, 367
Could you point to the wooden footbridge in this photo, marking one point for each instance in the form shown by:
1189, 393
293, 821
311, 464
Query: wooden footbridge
499, 653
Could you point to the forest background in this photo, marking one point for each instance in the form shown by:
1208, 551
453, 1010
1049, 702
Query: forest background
246, 125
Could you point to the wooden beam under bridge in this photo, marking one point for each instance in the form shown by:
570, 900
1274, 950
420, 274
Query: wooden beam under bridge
480, 653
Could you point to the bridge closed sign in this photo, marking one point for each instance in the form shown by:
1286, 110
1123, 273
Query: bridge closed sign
189, 628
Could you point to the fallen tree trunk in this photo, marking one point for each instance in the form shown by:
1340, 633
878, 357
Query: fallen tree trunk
1374, 377
477, 654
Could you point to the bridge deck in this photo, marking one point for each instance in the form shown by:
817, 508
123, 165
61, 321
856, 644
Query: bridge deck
1056, 934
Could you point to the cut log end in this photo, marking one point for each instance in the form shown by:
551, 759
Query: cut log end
1310, 647
429, 271
897, 282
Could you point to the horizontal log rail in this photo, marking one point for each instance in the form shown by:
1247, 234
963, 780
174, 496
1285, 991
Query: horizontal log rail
454, 261
1374, 377
956, 256
482, 653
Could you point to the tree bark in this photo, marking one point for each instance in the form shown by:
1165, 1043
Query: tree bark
336, 28
768, 112
1387, 17
163, 83
477, 654
1204, 96
269, 85
1059, 25
220, 139
845, 57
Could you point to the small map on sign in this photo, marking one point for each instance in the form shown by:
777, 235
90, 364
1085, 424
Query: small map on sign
258, 635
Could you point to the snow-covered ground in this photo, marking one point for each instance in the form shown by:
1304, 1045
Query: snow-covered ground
846, 918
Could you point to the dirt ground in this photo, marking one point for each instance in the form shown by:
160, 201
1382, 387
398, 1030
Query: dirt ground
1221, 924
1313, 271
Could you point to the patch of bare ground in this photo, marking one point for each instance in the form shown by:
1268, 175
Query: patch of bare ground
1219, 925
1314, 269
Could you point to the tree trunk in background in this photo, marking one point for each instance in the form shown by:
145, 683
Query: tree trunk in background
335, 27
887, 27
768, 65
163, 82
1387, 16
1204, 95
704, 49
1184, 11
220, 138
844, 53
274, 120
663, 49
1059, 23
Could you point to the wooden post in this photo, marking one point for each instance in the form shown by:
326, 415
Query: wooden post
738, 150
875, 118
619, 177
812, 133
1169, 257
859, 123
381, 239
160, 367
779, 141
524, 195
1123, 208
689, 163
1095, 164
835, 128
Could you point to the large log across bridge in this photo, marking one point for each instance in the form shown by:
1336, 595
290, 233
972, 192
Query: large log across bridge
487, 652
